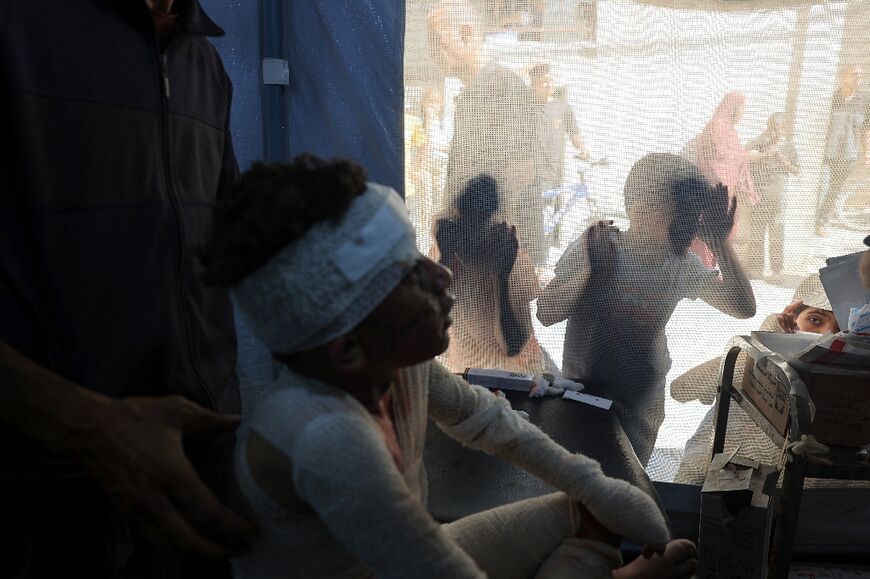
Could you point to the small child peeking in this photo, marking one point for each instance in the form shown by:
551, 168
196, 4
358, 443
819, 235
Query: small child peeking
618, 289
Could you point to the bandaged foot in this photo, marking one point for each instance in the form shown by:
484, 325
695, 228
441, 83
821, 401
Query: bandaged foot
620, 507
591, 558
678, 561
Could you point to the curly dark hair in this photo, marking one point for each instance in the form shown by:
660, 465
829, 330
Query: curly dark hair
273, 205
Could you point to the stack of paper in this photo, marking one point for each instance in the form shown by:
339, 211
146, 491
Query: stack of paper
843, 286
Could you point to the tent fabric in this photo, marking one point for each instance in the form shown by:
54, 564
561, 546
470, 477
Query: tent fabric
239, 49
346, 66
635, 76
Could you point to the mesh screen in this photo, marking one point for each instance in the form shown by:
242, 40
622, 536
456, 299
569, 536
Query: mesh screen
550, 116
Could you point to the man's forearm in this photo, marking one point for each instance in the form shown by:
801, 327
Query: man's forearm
43, 405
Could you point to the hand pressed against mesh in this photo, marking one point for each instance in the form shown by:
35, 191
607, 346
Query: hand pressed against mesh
601, 249
495, 282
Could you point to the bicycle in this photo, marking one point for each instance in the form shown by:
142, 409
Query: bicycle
570, 194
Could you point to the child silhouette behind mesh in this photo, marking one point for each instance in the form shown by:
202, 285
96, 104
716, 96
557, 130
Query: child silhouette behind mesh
618, 289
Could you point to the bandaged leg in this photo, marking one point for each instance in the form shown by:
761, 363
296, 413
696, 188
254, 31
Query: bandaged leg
533, 538
478, 419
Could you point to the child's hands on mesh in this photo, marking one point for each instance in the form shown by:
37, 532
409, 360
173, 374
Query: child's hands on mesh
446, 235
501, 246
718, 218
600, 243
787, 320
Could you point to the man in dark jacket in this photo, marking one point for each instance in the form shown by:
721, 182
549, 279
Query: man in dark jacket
114, 145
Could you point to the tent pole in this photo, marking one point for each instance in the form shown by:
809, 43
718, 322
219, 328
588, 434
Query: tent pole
275, 94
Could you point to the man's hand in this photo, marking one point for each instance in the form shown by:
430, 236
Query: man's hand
135, 451
501, 246
718, 220
600, 242
787, 320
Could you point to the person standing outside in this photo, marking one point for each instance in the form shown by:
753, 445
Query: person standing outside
556, 120
618, 290
723, 159
117, 364
776, 159
494, 120
845, 141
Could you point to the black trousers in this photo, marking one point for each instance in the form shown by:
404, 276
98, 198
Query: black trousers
766, 218
838, 171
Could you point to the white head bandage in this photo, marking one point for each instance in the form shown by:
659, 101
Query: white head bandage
324, 284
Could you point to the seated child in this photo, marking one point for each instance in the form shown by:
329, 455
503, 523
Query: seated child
809, 312
325, 269
618, 289
493, 282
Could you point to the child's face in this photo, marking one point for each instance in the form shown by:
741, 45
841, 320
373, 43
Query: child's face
410, 325
817, 321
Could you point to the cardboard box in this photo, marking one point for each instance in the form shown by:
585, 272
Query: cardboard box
841, 395
767, 393
736, 518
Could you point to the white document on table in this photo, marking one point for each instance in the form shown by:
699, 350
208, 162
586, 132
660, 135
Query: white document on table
596, 401
843, 286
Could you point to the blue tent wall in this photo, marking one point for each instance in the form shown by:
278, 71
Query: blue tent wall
345, 100
346, 79
240, 51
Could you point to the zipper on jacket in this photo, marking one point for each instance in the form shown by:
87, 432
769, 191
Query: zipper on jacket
175, 203
164, 72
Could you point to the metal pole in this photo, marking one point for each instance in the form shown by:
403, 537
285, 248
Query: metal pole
275, 90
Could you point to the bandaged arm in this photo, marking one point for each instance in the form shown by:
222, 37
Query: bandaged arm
343, 470
478, 419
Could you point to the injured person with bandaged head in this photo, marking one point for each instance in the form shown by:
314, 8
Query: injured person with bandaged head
324, 267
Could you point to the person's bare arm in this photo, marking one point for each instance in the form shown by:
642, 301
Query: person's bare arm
790, 161
132, 446
732, 294
561, 297
513, 319
577, 141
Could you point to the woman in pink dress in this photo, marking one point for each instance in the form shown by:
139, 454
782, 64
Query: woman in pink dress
722, 159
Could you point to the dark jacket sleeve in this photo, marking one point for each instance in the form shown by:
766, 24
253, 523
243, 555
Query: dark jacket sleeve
4, 18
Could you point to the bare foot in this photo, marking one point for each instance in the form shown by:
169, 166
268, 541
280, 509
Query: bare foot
679, 561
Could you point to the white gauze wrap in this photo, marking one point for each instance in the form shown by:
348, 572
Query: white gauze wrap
324, 284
